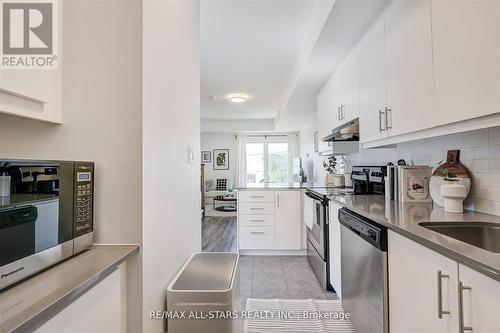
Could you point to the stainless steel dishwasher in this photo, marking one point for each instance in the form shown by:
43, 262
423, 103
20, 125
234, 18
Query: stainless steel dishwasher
364, 272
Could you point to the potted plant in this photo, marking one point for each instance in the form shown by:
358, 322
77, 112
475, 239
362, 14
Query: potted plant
330, 165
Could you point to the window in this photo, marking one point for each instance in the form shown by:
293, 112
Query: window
255, 163
277, 162
267, 160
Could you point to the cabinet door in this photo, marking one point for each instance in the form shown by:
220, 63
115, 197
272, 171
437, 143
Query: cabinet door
334, 251
466, 37
323, 116
288, 220
372, 83
414, 295
35, 93
347, 88
481, 303
409, 66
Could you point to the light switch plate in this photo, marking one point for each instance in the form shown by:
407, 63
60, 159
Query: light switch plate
190, 154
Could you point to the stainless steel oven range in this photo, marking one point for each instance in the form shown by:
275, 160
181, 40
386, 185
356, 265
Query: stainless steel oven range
317, 238
46, 216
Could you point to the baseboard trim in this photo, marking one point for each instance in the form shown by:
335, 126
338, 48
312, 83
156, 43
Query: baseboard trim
273, 252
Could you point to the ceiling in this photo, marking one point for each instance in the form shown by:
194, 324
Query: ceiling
343, 29
250, 47
277, 52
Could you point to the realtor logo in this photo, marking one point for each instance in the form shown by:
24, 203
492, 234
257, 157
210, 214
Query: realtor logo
28, 35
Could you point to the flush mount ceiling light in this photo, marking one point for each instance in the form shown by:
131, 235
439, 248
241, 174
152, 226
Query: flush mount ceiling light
238, 98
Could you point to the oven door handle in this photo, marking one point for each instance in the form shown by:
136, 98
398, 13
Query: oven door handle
310, 196
315, 198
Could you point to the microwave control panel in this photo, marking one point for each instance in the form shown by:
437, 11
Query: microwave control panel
84, 197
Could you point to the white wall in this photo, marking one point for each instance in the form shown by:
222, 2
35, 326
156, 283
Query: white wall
211, 141
479, 152
237, 126
171, 122
102, 116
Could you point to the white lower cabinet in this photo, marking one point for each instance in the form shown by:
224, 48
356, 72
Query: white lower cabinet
256, 238
431, 293
334, 250
480, 301
102, 309
416, 302
288, 220
270, 220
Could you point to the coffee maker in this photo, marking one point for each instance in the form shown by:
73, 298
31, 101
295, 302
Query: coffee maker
368, 179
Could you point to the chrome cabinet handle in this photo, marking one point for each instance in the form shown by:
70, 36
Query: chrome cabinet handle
256, 220
342, 111
257, 232
440, 277
256, 208
461, 326
380, 128
256, 196
278, 199
338, 113
388, 111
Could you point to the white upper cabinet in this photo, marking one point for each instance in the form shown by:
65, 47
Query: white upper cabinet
480, 297
347, 84
409, 66
35, 93
338, 100
372, 83
326, 115
466, 38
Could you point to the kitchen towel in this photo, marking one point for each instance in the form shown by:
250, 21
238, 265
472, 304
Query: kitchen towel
308, 211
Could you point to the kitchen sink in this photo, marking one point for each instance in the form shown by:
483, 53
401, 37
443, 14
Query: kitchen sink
481, 234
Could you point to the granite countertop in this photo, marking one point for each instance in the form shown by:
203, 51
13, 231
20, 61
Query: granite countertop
18, 200
275, 186
403, 218
30, 303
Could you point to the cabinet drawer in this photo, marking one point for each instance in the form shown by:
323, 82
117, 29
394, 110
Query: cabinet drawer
256, 220
256, 196
257, 238
258, 208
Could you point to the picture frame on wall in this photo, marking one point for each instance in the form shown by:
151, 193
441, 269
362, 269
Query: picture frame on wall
316, 142
221, 159
206, 157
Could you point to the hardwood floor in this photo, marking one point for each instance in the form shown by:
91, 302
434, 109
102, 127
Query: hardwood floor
218, 234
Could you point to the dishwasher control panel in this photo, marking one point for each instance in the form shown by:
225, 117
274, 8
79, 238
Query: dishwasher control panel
370, 231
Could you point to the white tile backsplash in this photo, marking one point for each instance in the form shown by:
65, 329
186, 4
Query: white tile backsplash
479, 151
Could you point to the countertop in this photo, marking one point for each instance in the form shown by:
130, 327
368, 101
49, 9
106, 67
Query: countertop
17, 200
403, 218
275, 186
30, 303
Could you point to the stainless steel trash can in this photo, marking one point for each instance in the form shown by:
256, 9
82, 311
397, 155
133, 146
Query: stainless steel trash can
204, 295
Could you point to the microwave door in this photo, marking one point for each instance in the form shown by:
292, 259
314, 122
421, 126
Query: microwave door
17, 233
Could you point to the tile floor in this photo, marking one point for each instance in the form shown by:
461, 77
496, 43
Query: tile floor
279, 277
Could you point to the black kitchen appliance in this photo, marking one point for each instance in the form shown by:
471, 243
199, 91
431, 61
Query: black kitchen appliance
368, 179
47, 217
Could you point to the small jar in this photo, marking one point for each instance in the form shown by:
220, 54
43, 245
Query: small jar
4, 186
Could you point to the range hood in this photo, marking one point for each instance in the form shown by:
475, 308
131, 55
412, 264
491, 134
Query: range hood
346, 132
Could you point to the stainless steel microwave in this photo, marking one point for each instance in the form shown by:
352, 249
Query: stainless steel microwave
46, 215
